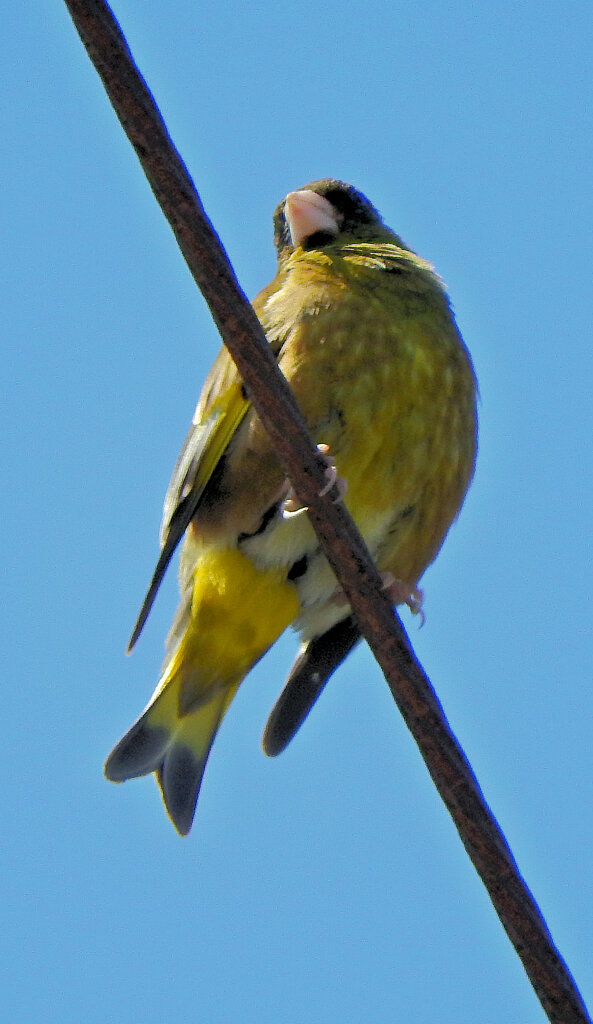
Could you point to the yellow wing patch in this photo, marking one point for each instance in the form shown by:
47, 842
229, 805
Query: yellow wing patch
201, 453
227, 413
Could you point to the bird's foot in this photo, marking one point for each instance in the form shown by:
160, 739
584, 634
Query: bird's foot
398, 591
402, 593
291, 506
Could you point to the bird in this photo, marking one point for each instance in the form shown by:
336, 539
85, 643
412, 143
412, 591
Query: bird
363, 330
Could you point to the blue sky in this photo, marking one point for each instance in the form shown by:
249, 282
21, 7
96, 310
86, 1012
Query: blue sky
328, 884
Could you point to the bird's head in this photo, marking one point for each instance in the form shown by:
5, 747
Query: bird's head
323, 213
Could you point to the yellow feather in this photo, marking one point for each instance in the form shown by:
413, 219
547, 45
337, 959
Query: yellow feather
237, 612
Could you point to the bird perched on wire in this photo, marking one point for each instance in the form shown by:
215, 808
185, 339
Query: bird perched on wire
363, 332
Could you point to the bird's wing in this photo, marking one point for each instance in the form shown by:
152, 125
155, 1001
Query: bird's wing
221, 409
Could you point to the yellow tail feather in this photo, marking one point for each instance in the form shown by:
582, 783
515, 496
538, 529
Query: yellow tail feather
237, 613
173, 746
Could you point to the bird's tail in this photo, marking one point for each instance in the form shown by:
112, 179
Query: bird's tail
236, 613
174, 746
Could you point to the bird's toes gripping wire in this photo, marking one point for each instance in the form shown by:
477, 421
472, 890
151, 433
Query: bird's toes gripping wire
398, 591
403, 593
291, 506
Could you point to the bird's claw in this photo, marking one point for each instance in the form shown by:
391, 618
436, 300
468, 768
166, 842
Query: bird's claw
331, 475
402, 593
398, 591
291, 506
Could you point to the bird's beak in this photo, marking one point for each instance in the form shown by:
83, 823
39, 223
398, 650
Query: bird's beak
307, 213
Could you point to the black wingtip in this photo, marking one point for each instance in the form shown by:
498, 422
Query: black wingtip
179, 523
310, 672
157, 578
141, 620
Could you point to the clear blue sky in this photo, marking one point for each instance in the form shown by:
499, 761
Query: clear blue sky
329, 884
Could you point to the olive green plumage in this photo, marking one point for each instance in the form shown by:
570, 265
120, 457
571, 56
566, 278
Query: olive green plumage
364, 333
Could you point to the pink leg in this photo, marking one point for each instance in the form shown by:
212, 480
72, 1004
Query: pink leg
402, 593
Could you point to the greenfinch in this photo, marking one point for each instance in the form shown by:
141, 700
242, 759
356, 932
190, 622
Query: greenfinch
364, 333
